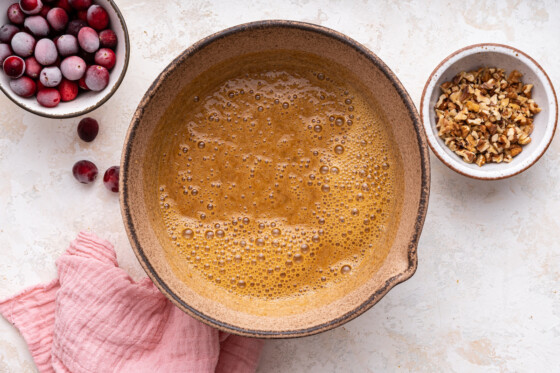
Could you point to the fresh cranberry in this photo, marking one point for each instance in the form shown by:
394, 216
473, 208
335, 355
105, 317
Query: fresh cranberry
105, 57
14, 66
111, 179
80, 4
32, 67
31, 6
85, 171
97, 17
108, 39
68, 90
58, 19
15, 14
88, 128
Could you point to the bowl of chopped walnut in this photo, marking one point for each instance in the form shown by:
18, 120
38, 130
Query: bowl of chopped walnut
489, 111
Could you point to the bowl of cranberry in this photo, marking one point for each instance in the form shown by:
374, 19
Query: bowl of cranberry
61, 58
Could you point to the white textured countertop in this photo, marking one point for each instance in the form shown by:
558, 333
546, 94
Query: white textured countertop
486, 296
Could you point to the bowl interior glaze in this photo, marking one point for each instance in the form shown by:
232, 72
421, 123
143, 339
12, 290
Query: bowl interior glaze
401, 116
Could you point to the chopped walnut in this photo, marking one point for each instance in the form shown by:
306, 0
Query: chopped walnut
485, 117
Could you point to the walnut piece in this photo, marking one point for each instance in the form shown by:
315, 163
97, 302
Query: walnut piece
485, 117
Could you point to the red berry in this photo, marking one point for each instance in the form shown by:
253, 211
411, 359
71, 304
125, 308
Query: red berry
64, 5
75, 26
48, 97
37, 25
108, 39
44, 11
32, 67
24, 86
73, 68
88, 128
106, 58
40, 86
7, 32
88, 39
67, 45
5, 51
82, 83
82, 14
14, 66
23, 44
15, 14
97, 17
80, 4
31, 6
68, 90
50, 76
58, 19
46, 52
111, 179
97, 78
84, 171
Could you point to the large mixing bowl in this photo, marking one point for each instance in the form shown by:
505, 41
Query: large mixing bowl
404, 124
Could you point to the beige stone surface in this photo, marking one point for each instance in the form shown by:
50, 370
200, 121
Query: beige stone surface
486, 295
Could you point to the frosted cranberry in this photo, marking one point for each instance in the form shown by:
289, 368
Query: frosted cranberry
67, 45
82, 14
88, 39
15, 14
7, 32
68, 90
50, 77
111, 179
24, 86
97, 17
85, 171
32, 67
105, 57
31, 6
108, 39
64, 5
97, 78
88, 128
58, 19
23, 44
75, 26
80, 4
82, 83
44, 11
37, 25
46, 52
48, 97
73, 67
5, 51
14, 66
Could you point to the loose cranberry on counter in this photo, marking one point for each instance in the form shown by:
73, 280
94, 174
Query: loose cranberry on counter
85, 171
111, 179
14, 66
88, 128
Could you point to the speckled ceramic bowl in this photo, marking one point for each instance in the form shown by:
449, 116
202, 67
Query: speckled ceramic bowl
403, 122
88, 101
508, 58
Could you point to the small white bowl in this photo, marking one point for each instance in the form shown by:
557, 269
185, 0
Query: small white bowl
86, 101
499, 56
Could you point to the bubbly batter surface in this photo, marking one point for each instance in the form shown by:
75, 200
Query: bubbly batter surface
275, 180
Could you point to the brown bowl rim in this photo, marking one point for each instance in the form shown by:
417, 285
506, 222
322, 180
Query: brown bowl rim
422, 205
106, 97
433, 147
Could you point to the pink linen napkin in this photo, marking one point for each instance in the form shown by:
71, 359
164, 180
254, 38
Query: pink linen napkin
95, 318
